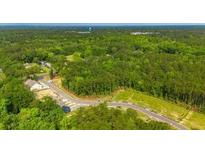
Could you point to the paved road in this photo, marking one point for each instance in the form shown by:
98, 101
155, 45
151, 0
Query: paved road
151, 114
64, 99
75, 103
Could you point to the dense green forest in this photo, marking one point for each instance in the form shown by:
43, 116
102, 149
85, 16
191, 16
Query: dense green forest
102, 118
168, 64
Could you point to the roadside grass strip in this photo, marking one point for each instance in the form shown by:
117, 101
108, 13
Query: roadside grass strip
191, 119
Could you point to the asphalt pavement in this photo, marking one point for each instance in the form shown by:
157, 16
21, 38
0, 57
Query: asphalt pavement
76, 103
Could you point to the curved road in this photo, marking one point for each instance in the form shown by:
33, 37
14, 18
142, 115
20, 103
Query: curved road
151, 114
80, 103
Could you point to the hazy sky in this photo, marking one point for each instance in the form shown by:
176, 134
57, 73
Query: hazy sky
99, 11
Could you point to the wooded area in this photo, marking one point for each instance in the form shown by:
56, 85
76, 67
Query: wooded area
169, 64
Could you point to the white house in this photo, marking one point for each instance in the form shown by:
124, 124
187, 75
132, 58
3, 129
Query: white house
35, 86
45, 64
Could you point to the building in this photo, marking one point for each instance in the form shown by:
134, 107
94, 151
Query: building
144, 33
35, 86
45, 64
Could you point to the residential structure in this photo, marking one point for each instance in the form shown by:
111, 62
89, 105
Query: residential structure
35, 86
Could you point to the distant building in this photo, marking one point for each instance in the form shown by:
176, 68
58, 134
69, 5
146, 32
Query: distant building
144, 33
46, 64
1, 70
86, 32
35, 86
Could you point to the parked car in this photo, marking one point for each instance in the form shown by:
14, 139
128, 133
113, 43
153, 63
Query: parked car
66, 109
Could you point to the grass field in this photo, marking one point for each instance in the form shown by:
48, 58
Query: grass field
74, 57
184, 115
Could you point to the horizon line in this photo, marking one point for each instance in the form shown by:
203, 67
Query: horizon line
102, 24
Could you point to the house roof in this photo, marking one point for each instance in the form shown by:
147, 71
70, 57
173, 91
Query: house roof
30, 82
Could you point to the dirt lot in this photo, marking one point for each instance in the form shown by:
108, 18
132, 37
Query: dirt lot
42, 93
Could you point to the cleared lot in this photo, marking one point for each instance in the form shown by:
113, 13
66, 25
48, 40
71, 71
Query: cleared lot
183, 114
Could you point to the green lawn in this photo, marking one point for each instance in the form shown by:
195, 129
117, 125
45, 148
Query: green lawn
70, 58
74, 57
44, 69
193, 120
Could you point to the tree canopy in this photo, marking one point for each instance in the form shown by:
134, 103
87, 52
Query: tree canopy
168, 64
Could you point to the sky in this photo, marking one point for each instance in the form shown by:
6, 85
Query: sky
102, 11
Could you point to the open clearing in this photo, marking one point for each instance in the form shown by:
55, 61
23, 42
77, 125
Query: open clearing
74, 57
43, 93
193, 120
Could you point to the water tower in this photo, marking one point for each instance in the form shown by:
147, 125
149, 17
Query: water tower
90, 29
